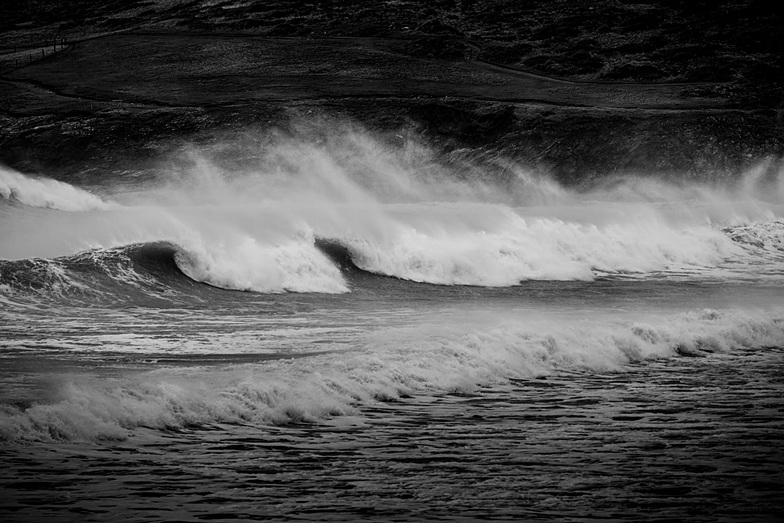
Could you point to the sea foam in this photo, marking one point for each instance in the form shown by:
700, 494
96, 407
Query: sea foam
406, 212
47, 193
453, 357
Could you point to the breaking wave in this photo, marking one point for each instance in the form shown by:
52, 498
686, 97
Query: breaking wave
446, 359
768, 237
345, 211
163, 270
519, 249
524, 250
47, 193
395, 210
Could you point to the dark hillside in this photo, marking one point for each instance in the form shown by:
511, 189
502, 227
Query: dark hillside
582, 89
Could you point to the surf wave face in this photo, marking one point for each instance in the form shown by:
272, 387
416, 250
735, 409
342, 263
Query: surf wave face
249, 217
135, 274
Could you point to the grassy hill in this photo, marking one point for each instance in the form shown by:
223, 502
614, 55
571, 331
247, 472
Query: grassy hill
580, 89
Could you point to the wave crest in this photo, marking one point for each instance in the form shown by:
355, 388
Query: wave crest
164, 270
47, 193
293, 266
519, 249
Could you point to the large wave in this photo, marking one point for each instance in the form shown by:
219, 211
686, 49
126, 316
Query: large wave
158, 271
252, 222
133, 273
454, 356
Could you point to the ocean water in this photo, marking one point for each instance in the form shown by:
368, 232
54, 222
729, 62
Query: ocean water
337, 327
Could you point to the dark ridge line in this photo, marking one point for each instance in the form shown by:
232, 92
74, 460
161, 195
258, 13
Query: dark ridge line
58, 92
252, 101
518, 101
577, 81
251, 357
470, 43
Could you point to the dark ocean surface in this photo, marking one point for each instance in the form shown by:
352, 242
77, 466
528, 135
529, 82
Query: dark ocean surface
357, 332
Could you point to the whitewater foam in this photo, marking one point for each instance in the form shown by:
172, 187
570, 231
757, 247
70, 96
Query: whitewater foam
767, 236
403, 211
519, 248
453, 357
47, 193
295, 266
